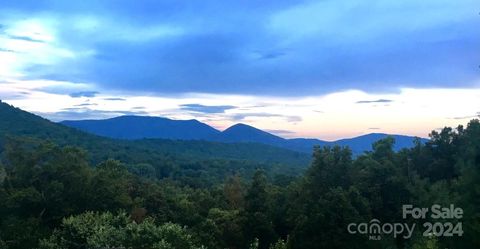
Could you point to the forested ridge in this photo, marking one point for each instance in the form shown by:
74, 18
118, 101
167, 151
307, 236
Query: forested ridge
139, 127
199, 162
66, 192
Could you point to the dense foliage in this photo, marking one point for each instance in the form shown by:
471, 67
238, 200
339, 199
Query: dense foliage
54, 196
105, 230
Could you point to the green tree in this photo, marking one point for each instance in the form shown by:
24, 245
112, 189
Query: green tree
105, 230
258, 222
234, 192
280, 244
111, 187
323, 203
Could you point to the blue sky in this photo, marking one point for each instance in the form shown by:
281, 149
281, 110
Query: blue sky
262, 50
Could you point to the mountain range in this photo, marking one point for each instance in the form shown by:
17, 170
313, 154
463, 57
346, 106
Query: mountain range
139, 127
178, 148
152, 149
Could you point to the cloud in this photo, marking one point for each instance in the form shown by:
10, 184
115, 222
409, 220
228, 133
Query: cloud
477, 115
206, 109
414, 111
79, 113
302, 48
25, 38
115, 99
86, 104
89, 94
272, 54
374, 101
11, 96
374, 128
7, 50
281, 132
294, 119
241, 116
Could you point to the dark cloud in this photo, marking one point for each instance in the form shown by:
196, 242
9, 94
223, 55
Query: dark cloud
374, 128
89, 94
206, 109
374, 101
212, 51
115, 99
273, 54
24, 38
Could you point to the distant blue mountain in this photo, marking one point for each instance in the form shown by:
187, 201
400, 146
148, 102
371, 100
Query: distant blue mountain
364, 143
358, 145
138, 127
246, 133
305, 144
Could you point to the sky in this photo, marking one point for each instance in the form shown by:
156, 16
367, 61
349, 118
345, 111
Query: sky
324, 69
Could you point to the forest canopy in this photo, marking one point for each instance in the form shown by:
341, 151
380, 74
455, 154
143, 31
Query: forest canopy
53, 197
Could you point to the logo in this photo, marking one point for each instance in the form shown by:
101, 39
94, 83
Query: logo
376, 229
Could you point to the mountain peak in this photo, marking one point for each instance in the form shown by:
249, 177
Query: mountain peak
241, 126
246, 133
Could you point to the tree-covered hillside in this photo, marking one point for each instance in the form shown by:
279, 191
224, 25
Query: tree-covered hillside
55, 196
